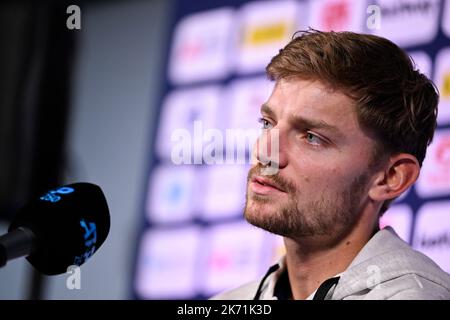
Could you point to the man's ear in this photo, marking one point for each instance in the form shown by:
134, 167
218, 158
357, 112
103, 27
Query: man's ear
400, 172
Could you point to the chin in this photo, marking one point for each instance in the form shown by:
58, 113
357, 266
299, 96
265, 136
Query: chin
258, 211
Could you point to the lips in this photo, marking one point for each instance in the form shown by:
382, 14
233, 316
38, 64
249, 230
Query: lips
263, 185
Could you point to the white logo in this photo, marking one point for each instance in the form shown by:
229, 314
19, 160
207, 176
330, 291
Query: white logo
168, 263
200, 48
403, 16
74, 20
171, 193
73, 281
432, 232
210, 145
181, 109
211, 142
224, 189
374, 20
373, 281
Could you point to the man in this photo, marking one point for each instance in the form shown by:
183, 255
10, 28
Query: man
353, 119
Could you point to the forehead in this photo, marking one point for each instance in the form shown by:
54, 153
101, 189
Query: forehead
313, 100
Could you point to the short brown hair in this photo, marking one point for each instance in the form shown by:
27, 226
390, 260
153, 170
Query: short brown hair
395, 102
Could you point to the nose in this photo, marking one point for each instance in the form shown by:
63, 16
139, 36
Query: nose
269, 151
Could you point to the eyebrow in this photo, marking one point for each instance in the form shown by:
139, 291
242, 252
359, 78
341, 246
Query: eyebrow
305, 123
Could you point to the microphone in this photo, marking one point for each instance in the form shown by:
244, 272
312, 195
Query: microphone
63, 227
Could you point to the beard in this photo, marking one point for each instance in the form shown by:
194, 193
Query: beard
332, 213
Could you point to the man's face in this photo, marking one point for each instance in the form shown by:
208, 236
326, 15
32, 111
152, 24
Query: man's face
324, 156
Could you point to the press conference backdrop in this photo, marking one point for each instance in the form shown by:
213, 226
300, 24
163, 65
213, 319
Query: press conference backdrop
194, 241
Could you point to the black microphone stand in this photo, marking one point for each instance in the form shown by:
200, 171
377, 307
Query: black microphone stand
37, 285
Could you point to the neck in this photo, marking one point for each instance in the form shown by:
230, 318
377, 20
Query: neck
312, 260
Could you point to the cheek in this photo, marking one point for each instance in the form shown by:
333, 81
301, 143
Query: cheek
329, 173
321, 180
313, 180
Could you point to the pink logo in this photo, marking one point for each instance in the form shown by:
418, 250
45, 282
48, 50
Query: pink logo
443, 152
335, 15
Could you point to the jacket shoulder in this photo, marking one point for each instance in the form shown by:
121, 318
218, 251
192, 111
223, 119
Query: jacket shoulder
423, 290
390, 269
407, 287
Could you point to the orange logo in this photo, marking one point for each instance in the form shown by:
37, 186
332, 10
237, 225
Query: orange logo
445, 90
269, 33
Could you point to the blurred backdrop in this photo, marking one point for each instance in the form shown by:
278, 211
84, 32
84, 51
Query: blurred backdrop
101, 103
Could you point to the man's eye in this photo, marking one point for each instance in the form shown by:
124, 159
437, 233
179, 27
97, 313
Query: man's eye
264, 123
313, 139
